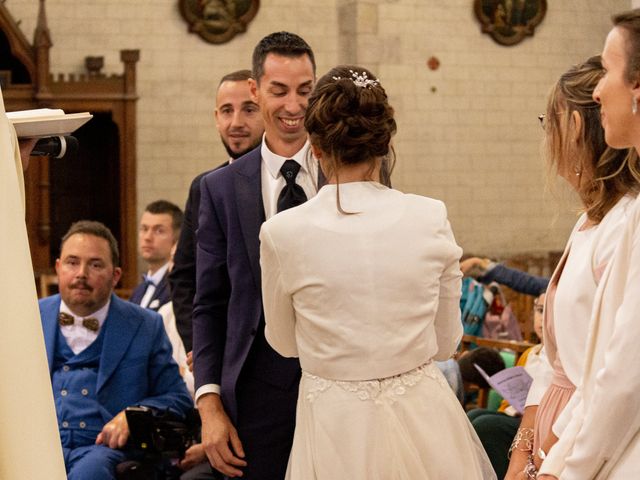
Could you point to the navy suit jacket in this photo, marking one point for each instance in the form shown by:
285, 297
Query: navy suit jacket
182, 278
136, 367
161, 295
227, 309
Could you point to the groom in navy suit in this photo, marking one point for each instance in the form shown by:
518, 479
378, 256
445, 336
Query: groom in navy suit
104, 355
246, 392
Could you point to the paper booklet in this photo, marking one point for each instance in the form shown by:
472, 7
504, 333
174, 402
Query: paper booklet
512, 383
46, 122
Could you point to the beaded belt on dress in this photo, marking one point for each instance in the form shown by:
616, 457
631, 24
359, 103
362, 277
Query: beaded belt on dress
390, 387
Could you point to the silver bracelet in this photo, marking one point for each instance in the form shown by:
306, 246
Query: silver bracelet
530, 471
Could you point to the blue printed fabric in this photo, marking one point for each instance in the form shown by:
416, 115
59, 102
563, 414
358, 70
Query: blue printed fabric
473, 307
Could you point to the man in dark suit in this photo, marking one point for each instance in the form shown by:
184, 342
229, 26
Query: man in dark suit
159, 231
246, 393
104, 355
240, 126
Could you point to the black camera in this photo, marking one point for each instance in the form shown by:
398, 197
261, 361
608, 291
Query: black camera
160, 431
158, 439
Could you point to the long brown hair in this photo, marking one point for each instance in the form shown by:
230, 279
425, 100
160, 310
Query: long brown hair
606, 174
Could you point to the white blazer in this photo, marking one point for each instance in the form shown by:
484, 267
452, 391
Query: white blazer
601, 438
577, 276
361, 296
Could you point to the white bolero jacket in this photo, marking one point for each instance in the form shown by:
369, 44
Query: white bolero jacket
365, 295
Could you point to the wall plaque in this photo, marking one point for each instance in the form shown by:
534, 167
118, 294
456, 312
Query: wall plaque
218, 21
509, 21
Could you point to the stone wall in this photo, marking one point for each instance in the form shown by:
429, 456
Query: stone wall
468, 132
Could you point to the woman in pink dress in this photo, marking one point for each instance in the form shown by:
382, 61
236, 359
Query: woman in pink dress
602, 177
601, 439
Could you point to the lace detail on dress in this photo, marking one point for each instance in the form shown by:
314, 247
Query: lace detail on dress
389, 388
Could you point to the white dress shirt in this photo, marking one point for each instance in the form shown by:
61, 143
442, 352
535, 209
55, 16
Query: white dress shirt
79, 337
179, 353
272, 183
155, 279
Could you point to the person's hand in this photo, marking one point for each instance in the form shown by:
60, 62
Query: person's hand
193, 456
515, 476
190, 361
115, 433
474, 266
26, 146
547, 477
219, 437
516, 466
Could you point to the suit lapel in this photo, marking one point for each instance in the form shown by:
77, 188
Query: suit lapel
119, 331
50, 329
138, 293
247, 182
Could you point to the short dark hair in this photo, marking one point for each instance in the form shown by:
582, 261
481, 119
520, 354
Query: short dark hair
280, 43
489, 359
163, 206
97, 229
237, 76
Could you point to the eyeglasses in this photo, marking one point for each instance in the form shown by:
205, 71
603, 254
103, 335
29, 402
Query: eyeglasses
543, 117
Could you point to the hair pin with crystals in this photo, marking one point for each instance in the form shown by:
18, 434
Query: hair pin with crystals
361, 80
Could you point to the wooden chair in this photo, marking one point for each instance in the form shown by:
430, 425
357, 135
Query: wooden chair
518, 347
46, 284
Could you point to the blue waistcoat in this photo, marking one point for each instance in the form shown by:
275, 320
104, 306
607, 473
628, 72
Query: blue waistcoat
74, 380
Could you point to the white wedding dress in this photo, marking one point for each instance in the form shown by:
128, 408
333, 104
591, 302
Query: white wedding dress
367, 301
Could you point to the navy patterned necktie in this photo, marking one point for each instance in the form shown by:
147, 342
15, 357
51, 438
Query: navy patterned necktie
292, 194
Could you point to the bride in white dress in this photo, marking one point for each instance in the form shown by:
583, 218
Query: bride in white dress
362, 283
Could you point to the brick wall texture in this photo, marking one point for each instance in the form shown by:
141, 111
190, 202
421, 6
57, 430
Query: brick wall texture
468, 132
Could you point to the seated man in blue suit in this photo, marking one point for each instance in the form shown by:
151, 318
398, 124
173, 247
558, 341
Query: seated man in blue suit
158, 235
104, 355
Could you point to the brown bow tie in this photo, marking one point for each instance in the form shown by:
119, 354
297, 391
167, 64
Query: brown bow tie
89, 323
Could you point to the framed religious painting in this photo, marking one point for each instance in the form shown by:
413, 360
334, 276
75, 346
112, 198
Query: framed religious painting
218, 21
509, 21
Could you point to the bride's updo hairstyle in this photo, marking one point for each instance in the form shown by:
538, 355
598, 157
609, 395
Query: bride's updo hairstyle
350, 120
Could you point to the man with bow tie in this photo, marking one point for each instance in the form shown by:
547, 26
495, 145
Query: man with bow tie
157, 237
104, 355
